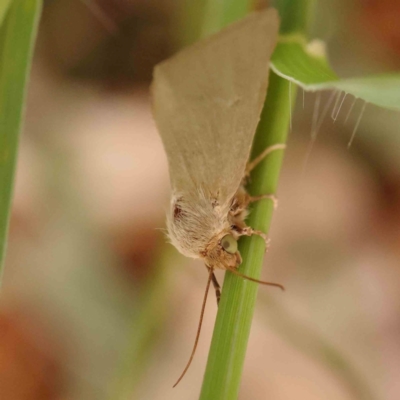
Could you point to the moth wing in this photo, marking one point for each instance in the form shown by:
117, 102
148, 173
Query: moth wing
207, 101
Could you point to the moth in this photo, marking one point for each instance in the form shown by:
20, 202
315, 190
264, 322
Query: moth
207, 101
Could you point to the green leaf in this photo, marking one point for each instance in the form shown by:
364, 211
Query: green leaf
307, 66
381, 90
17, 35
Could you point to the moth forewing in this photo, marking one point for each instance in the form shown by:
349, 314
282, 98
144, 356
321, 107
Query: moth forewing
207, 101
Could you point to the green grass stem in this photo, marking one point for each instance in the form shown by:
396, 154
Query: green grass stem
232, 328
236, 309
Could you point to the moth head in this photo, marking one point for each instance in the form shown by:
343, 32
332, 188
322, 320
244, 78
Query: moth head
222, 252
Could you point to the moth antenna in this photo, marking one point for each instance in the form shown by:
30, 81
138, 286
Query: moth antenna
217, 288
216, 285
234, 271
210, 275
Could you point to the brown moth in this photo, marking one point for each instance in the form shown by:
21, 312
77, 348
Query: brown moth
207, 101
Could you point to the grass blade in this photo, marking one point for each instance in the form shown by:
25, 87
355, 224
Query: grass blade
17, 35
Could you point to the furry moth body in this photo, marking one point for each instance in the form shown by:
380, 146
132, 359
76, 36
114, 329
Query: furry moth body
207, 102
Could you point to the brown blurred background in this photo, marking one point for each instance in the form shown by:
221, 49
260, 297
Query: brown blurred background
94, 305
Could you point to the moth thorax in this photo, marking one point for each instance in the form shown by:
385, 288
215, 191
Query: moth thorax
193, 223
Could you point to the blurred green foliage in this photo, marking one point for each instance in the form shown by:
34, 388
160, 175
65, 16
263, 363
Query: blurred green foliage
17, 35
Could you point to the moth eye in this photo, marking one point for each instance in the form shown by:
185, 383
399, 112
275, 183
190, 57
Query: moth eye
229, 244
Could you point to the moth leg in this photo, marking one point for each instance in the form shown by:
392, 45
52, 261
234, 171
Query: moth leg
272, 197
239, 203
243, 199
248, 231
216, 285
252, 164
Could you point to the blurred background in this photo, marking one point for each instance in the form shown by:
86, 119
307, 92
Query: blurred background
95, 305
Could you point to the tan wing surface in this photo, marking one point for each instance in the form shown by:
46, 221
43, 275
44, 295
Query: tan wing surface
207, 101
